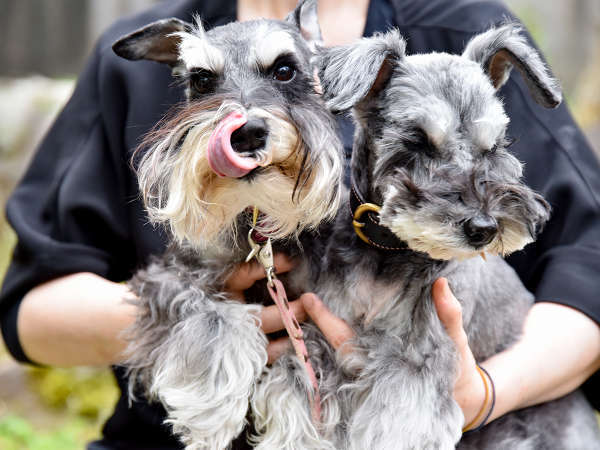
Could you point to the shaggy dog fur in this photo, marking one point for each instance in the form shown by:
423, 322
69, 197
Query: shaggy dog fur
253, 133
431, 150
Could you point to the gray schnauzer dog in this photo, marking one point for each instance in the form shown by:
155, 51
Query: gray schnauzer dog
430, 155
253, 133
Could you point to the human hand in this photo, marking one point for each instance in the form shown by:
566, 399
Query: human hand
469, 390
243, 277
336, 331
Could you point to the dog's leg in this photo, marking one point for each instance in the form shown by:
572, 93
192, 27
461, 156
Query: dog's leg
208, 371
280, 405
196, 352
402, 398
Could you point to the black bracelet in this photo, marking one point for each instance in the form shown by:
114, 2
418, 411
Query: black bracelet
489, 413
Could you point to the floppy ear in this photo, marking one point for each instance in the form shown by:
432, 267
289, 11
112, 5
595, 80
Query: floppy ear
154, 42
499, 49
353, 73
304, 17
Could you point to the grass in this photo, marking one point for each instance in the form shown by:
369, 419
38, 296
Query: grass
7, 242
17, 433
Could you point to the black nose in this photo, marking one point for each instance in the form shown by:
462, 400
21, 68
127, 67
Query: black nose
250, 137
480, 230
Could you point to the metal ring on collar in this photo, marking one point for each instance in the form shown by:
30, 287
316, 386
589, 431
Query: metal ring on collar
357, 215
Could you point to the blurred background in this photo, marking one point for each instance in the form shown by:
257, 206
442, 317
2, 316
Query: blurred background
44, 44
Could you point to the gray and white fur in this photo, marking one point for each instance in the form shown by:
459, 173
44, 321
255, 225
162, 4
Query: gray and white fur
431, 149
193, 347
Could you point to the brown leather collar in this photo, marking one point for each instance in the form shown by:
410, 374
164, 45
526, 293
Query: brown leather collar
365, 219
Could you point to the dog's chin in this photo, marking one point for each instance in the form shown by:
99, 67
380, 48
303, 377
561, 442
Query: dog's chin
445, 242
207, 214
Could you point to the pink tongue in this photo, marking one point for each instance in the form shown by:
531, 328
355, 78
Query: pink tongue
222, 159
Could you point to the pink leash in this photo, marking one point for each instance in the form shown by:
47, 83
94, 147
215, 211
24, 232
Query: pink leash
263, 251
295, 333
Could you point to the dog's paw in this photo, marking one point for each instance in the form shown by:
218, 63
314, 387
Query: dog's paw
281, 409
209, 372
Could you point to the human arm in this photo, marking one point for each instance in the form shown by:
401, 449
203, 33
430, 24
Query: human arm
79, 319
75, 320
558, 351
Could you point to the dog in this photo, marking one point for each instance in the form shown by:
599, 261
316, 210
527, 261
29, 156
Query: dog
253, 133
433, 188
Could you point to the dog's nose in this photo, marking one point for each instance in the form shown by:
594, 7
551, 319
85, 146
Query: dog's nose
480, 230
251, 136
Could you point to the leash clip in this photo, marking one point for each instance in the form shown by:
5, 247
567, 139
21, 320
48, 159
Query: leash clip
263, 252
265, 257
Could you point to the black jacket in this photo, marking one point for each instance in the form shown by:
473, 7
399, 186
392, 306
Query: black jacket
77, 207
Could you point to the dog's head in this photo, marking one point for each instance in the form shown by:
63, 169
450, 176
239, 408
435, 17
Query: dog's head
431, 143
253, 131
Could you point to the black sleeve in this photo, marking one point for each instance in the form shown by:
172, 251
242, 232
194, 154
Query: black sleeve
563, 265
69, 209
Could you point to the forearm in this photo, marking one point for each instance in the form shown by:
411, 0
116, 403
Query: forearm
559, 350
75, 320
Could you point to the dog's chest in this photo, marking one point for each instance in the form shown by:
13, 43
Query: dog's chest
360, 298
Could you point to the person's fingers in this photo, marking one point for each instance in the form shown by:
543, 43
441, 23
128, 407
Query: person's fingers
336, 331
237, 295
469, 390
449, 312
271, 319
276, 348
246, 274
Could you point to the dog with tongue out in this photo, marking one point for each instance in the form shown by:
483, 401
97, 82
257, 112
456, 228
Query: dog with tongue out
252, 135
236, 157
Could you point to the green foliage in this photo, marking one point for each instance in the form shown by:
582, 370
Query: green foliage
82, 392
72, 405
7, 242
17, 433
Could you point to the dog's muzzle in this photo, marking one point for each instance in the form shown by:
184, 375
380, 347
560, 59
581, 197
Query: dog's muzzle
234, 137
480, 230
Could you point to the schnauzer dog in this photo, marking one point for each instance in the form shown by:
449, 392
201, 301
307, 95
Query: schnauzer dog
253, 133
433, 185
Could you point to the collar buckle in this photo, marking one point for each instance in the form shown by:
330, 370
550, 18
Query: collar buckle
362, 208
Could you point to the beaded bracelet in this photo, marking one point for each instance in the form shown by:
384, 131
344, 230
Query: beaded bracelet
485, 376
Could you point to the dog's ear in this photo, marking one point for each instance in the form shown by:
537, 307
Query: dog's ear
305, 18
499, 49
155, 42
351, 74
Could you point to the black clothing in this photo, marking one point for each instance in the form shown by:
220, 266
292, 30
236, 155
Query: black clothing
77, 207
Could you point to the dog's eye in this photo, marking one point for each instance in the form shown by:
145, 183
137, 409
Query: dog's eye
419, 142
202, 80
452, 197
284, 72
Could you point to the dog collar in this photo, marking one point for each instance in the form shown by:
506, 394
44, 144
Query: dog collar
369, 230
